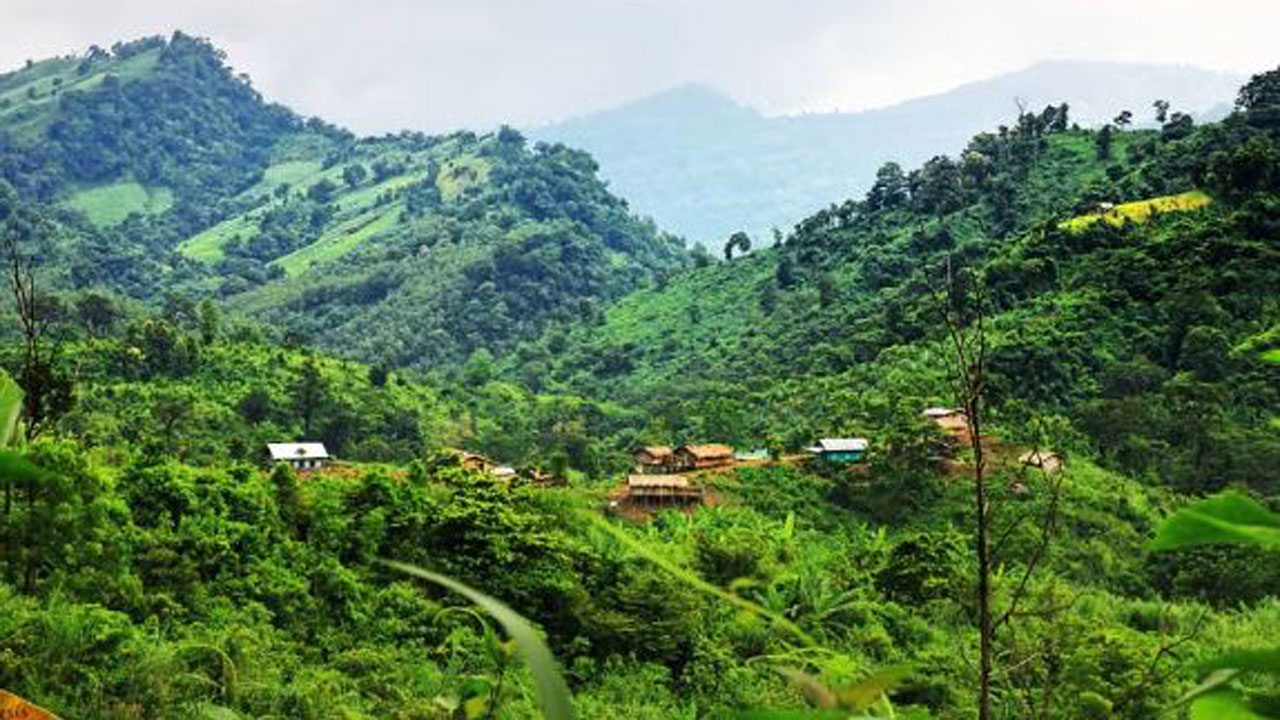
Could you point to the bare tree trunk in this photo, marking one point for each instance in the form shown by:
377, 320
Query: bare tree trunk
969, 345
986, 627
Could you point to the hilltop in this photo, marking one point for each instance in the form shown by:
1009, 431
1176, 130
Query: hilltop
705, 166
169, 173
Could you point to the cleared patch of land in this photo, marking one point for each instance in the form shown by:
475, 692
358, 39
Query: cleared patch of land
338, 241
1141, 210
110, 204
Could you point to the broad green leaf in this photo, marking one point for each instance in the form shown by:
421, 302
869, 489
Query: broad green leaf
1222, 705
10, 408
1272, 356
1226, 518
1267, 660
13, 466
1214, 682
869, 690
553, 692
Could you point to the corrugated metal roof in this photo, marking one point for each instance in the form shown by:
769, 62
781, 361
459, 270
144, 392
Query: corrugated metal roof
842, 444
297, 451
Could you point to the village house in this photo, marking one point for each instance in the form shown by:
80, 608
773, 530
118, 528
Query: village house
840, 450
476, 462
654, 459
653, 489
702, 457
300, 456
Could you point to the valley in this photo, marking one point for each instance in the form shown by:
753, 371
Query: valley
1013, 405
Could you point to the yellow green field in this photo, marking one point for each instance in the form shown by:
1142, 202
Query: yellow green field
1141, 210
338, 241
110, 204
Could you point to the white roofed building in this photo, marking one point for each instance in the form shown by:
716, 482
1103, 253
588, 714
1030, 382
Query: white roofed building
300, 456
841, 450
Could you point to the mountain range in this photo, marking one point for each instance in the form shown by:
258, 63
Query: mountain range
704, 166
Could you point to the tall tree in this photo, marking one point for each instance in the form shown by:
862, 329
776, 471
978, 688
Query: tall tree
47, 393
1162, 110
960, 306
309, 393
739, 240
1262, 91
1102, 143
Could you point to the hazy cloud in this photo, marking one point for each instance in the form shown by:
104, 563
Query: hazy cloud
381, 65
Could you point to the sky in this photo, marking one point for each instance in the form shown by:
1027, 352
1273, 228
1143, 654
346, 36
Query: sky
439, 65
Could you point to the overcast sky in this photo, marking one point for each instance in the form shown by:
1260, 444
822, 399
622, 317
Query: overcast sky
436, 65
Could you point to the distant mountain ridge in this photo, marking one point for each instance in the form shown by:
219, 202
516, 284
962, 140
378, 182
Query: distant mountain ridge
704, 166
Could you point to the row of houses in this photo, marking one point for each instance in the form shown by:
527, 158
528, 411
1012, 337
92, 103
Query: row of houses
661, 460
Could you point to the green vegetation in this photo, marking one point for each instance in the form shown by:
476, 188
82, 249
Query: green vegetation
402, 298
307, 227
111, 204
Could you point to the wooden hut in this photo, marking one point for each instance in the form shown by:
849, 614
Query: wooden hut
702, 457
476, 462
653, 489
655, 459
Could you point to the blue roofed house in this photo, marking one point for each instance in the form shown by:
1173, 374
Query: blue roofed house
841, 450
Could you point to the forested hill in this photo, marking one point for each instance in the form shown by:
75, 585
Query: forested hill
167, 172
705, 167
1172, 295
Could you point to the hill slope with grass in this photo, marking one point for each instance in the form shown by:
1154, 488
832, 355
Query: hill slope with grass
1127, 327
167, 172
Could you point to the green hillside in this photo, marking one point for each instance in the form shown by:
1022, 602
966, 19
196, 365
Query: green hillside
814, 335
198, 273
171, 174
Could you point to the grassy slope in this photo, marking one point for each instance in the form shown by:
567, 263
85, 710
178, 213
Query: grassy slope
25, 115
727, 294
358, 217
107, 205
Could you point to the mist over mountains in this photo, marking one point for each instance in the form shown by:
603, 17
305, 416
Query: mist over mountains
704, 166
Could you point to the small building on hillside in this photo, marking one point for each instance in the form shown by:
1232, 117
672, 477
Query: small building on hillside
653, 489
702, 457
475, 462
656, 459
952, 421
841, 450
1045, 460
300, 456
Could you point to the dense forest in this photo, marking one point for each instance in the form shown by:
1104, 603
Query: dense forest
1107, 298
